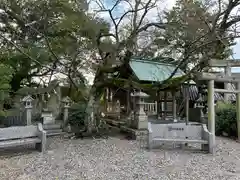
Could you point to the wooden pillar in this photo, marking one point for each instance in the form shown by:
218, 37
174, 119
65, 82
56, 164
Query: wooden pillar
187, 108
165, 105
211, 115
110, 96
174, 107
238, 111
128, 101
158, 105
105, 99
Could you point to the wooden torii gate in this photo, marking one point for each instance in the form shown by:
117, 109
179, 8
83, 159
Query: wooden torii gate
226, 78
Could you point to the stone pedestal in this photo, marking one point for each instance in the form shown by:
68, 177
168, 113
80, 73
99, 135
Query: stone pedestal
66, 105
29, 115
48, 117
140, 120
118, 109
65, 115
130, 119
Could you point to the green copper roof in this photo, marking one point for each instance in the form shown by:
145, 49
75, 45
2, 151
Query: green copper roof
146, 70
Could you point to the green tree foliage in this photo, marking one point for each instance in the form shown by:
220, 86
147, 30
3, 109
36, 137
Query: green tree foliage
5, 78
52, 36
226, 120
41, 38
189, 36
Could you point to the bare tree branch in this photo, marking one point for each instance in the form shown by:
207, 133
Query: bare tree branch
147, 7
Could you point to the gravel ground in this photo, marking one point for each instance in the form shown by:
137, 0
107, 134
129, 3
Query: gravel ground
117, 159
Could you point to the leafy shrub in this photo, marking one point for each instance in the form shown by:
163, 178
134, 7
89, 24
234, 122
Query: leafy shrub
5, 78
226, 119
222, 105
77, 113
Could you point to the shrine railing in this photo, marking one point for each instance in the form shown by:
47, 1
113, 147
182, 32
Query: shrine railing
150, 108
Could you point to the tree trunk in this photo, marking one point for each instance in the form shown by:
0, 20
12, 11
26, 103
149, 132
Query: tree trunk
93, 111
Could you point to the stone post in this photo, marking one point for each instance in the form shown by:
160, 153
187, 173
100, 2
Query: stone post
130, 119
238, 111
140, 117
199, 105
66, 105
227, 85
118, 109
27, 100
211, 116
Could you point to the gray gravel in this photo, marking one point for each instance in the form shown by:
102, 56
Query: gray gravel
117, 159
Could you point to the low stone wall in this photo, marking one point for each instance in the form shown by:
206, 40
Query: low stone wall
140, 135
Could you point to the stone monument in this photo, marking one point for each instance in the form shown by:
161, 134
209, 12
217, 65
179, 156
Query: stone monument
66, 105
140, 120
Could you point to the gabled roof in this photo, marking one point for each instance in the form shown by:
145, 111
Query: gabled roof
27, 98
146, 70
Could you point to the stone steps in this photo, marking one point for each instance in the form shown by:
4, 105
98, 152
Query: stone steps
53, 129
49, 134
51, 126
54, 132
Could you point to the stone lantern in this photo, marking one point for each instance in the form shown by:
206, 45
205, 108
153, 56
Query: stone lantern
47, 115
66, 101
200, 106
140, 120
66, 105
27, 101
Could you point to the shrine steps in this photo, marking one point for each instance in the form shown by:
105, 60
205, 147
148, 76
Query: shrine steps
53, 129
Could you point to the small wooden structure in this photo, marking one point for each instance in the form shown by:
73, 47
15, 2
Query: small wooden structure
135, 106
166, 105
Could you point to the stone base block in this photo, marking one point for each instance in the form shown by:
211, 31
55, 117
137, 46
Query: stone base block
48, 120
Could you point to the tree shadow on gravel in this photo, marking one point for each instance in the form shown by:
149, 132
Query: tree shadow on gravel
17, 151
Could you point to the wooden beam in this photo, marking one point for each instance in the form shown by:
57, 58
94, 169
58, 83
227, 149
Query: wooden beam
224, 63
167, 111
174, 107
236, 75
218, 78
158, 105
165, 105
227, 91
187, 108
167, 100
128, 101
